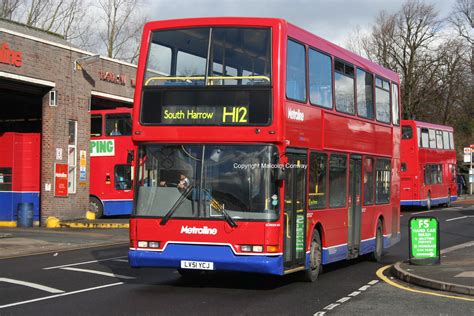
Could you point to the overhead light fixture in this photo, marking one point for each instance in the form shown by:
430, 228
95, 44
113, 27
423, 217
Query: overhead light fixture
82, 61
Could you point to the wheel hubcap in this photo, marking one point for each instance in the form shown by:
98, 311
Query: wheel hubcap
93, 207
315, 256
379, 242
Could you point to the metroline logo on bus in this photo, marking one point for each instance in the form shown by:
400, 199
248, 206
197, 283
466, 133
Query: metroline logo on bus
198, 230
102, 148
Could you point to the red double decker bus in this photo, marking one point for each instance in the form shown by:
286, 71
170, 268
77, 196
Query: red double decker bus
111, 153
261, 148
428, 164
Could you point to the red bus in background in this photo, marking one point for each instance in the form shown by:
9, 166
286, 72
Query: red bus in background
261, 148
111, 153
19, 175
428, 164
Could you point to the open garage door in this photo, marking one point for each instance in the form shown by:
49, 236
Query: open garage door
20, 151
21, 109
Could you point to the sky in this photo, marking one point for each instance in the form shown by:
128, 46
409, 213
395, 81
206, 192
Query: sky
333, 20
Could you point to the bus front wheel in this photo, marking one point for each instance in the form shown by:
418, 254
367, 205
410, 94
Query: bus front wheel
315, 253
96, 207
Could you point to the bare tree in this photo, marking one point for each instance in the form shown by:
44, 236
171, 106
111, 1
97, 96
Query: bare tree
462, 19
436, 70
406, 43
122, 24
8, 7
37, 12
64, 17
448, 86
356, 41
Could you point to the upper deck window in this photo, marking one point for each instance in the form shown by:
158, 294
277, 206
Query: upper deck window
432, 138
445, 140
451, 140
118, 124
320, 79
418, 133
439, 139
235, 56
425, 143
395, 105
296, 72
344, 86
382, 97
365, 94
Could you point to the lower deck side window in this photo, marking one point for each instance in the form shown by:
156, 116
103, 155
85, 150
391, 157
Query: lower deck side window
337, 180
123, 177
368, 181
383, 181
317, 181
433, 174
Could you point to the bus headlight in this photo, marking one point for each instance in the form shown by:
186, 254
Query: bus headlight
251, 248
246, 248
154, 244
142, 244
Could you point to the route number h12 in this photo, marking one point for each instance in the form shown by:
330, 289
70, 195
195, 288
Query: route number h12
424, 240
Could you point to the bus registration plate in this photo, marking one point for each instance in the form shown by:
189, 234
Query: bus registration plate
199, 265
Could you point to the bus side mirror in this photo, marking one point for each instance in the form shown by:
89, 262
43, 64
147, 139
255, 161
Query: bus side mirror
279, 170
130, 156
280, 174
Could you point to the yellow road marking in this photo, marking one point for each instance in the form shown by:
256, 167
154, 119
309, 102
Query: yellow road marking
8, 224
95, 225
387, 280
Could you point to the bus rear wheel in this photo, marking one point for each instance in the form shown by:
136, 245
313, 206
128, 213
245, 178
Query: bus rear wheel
448, 204
377, 254
315, 259
96, 207
428, 201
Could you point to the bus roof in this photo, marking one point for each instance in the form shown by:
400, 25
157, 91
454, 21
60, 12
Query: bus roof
427, 125
341, 53
293, 31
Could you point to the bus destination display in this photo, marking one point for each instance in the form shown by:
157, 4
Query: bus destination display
205, 115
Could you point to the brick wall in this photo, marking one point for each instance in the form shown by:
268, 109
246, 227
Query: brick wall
51, 63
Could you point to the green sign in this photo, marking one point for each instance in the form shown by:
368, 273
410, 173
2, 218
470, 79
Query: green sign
102, 147
300, 235
205, 115
424, 238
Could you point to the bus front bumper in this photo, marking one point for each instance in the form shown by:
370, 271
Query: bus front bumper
222, 257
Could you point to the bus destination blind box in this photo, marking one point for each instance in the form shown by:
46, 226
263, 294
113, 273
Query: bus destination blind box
424, 241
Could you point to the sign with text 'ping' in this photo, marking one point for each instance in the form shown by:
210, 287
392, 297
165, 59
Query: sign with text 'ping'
102, 147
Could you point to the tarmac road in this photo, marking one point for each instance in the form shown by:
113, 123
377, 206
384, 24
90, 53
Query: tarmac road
98, 281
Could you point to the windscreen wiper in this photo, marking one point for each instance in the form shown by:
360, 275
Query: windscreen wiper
228, 218
224, 213
176, 204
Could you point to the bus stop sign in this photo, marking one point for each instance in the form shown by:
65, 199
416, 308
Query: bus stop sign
424, 240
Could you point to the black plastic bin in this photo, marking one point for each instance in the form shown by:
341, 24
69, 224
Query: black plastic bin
25, 215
